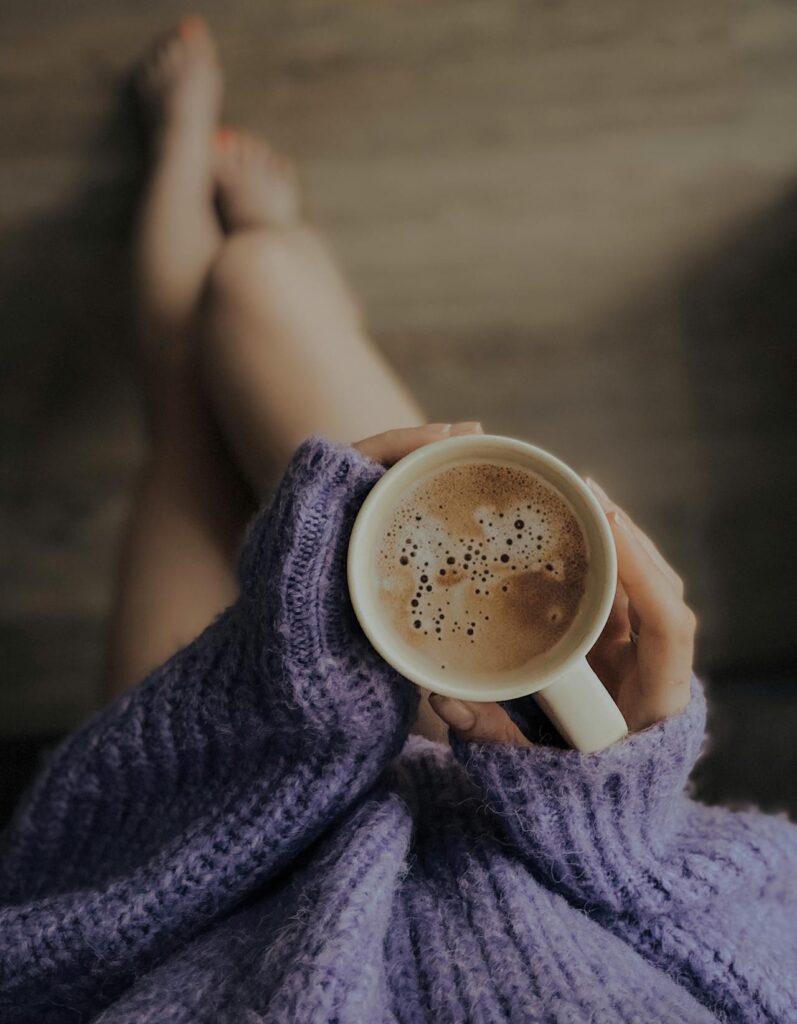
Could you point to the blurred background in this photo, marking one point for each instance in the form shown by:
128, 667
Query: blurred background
575, 221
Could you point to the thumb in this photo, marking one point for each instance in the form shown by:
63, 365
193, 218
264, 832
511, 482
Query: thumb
477, 721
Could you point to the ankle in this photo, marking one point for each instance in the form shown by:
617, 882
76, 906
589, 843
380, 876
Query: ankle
181, 148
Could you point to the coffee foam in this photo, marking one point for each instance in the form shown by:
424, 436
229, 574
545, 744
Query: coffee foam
482, 567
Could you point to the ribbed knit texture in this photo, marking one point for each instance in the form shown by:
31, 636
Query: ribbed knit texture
251, 835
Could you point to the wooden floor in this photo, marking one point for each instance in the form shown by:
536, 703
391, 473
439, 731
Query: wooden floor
575, 221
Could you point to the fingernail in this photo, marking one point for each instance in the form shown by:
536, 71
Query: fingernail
441, 428
457, 714
596, 487
622, 522
467, 427
223, 137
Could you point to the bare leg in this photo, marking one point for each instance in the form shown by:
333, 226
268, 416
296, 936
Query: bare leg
284, 349
191, 505
285, 352
177, 233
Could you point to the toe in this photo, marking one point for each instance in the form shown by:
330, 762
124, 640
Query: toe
255, 182
224, 139
197, 39
193, 28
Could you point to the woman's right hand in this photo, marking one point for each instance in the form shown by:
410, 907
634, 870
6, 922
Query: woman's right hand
648, 675
645, 651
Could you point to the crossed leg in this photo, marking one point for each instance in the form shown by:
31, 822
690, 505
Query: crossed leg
283, 345
249, 339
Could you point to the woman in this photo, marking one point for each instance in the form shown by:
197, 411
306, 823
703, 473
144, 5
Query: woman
273, 825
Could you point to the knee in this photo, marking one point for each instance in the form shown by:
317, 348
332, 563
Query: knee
254, 267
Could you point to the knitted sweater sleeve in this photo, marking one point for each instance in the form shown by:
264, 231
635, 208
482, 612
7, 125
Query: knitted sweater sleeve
705, 893
215, 772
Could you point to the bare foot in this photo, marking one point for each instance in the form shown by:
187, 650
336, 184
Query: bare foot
178, 232
257, 187
180, 81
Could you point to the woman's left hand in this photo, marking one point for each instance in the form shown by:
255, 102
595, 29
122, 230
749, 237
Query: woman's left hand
649, 677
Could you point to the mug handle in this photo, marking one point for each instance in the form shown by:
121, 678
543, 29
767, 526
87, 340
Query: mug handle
580, 707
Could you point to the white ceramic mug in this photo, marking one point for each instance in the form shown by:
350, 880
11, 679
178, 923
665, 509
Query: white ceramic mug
563, 684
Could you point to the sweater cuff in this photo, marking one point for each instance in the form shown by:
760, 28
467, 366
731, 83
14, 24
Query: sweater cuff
593, 822
295, 592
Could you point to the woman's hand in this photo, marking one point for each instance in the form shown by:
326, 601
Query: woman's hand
648, 676
393, 445
649, 679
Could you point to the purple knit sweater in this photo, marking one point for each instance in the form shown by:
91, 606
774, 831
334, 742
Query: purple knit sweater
251, 835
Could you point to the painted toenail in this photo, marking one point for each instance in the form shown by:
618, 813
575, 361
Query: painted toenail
191, 27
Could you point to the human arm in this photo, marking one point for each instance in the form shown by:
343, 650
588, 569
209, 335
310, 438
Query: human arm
704, 893
209, 777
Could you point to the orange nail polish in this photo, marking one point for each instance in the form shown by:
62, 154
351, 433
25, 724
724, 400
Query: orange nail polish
192, 26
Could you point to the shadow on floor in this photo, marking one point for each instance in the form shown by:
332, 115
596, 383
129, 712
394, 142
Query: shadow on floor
63, 292
66, 447
739, 309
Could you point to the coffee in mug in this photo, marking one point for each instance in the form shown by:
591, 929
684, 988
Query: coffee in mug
482, 567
